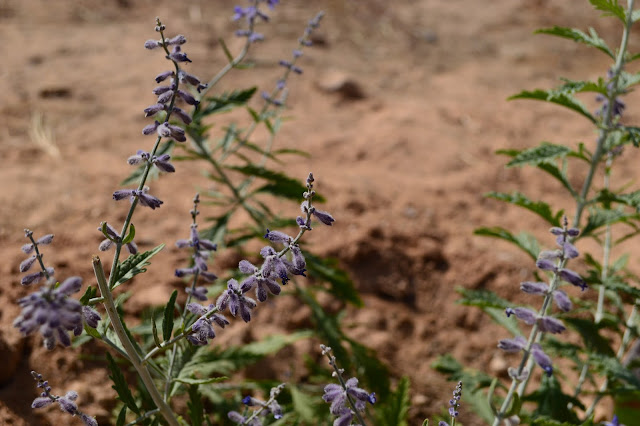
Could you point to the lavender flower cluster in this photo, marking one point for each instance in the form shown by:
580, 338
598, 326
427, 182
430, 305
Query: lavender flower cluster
165, 106
50, 310
67, 402
347, 399
264, 408
553, 261
454, 404
252, 14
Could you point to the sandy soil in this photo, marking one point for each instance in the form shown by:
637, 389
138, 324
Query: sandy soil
404, 168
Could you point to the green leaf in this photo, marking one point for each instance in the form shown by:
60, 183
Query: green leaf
492, 305
225, 49
575, 86
561, 99
591, 39
120, 385
590, 333
189, 381
130, 235
544, 153
122, 416
218, 231
154, 331
633, 134
526, 242
225, 102
92, 332
617, 285
277, 179
552, 402
396, 409
303, 404
291, 151
540, 208
195, 408
134, 265
340, 284
610, 8
89, 293
230, 136
600, 217
167, 322
612, 367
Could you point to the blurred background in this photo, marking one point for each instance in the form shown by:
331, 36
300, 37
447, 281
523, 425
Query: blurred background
401, 106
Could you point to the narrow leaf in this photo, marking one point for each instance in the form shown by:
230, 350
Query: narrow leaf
561, 99
540, 208
591, 39
130, 235
134, 265
120, 385
610, 8
167, 322
396, 409
524, 241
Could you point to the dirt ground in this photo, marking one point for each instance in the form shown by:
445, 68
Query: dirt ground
404, 168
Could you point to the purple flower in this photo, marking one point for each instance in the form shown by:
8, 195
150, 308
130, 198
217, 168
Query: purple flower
66, 402
513, 345
167, 130
613, 422
52, 312
36, 276
536, 288
454, 403
235, 299
323, 217
278, 237
562, 300
337, 396
541, 358
573, 278
115, 236
526, 315
550, 325
90, 316
202, 328
144, 198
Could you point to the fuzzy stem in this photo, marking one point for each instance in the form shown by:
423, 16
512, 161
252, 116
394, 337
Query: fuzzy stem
338, 374
128, 346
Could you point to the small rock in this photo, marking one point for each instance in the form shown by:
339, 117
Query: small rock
341, 83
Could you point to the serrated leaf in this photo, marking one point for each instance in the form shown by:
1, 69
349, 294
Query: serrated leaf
370, 369
610, 8
543, 153
540, 208
600, 217
591, 39
482, 299
218, 231
561, 99
576, 86
590, 333
303, 404
225, 102
195, 408
396, 409
276, 178
120, 385
135, 264
552, 402
612, 367
167, 322
527, 242
340, 284
230, 136
130, 236
633, 134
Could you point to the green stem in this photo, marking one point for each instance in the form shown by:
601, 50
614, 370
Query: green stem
128, 346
